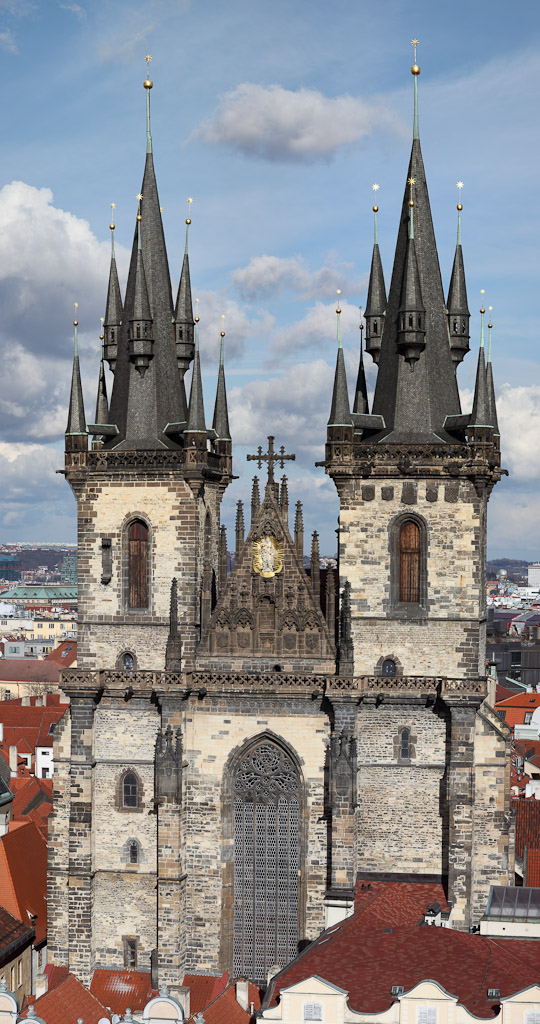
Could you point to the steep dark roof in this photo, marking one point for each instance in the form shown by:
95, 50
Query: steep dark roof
196, 422
360, 396
457, 291
340, 412
76, 423
221, 413
414, 402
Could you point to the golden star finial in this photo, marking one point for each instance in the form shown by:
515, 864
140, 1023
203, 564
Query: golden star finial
411, 182
113, 206
139, 197
148, 58
375, 187
188, 218
459, 184
415, 70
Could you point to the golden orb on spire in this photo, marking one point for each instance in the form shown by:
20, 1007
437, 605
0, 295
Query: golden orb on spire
338, 310
222, 334
415, 70
148, 84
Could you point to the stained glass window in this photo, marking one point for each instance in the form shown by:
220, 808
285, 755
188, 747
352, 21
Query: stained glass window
266, 861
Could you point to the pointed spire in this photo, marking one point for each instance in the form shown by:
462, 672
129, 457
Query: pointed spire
222, 559
492, 403
376, 297
196, 421
360, 397
141, 343
102, 405
456, 303
113, 310
221, 415
480, 416
183, 314
299, 532
330, 593
340, 412
316, 568
411, 329
148, 85
240, 530
284, 500
255, 499
76, 424
346, 647
173, 650
415, 71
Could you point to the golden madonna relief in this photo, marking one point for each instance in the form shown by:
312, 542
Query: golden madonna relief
267, 556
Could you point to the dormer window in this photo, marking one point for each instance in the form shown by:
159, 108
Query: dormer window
313, 1011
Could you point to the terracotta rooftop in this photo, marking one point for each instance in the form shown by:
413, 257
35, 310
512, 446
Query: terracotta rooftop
533, 868
64, 655
28, 670
366, 956
13, 935
32, 801
28, 727
23, 875
527, 824
68, 1002
225, 1009
203, 988
119, 990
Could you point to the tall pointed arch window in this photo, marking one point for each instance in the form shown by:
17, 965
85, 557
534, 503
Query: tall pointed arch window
266, 799
409, 562
138, 564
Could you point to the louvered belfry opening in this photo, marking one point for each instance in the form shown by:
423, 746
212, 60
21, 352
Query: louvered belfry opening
409, 562
266, 861
138, 565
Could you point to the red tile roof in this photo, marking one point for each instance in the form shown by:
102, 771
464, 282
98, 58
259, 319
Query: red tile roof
366, 958
533, 868
122, 989
387, 903
203, 988
527, 824
69, 1001
64, 655
32, 801
55, 974
13, 931
27, 727
28, 670
225, 1009
23, 875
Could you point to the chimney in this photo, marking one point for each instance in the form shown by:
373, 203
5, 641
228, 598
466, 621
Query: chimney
183, 995
242, 993
42, 985
25, 702
13, 761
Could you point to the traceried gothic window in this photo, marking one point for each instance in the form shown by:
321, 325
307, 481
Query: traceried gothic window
409, 559
266, 798
138, 565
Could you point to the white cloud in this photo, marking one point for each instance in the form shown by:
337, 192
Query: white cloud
32, 491
265, 275
7, 41
237, 325
75, 9
518, 410
274, 123
316, 331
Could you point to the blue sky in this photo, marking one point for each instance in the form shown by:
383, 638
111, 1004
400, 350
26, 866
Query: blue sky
277, 119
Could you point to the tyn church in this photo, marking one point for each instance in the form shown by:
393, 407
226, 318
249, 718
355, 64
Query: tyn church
241, 748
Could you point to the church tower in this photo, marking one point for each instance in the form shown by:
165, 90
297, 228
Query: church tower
242, 748
414, 477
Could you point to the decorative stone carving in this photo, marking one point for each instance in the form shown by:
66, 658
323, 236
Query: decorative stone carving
168, 767
343, 769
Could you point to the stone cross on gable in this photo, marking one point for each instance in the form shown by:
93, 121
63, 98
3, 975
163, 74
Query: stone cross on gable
270, 457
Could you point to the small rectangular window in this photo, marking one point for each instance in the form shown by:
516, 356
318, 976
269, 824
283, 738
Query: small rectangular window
19, 973
130, 952
313, 1011
532, 1017
528, 717
12, 976
427, 1015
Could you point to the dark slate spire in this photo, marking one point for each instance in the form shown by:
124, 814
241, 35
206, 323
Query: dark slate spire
415, 404
456, 303
221, 415
492, 403
113, 311
480, 416
150, 410
183, 313
196, 423
340, 412
376, 298
411, 337
76, 424
141, 342
360, 396
102, 404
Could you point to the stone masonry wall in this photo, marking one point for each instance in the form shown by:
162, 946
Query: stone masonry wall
447, 640
176, 519
400, 819
58, 847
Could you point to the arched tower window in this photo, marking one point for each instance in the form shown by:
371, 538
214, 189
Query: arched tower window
267, 796
133, 852
405, 737
409, 562
138, 565
130, 790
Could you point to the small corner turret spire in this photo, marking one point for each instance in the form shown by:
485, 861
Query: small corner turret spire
360, 397
102, 405
220, 422
376, 297
492, 404
196, 420
183, 314
411, 329
456, 303
415, 71
141, 342
148, 85
113, 310
480, 411
340, 412
76, 434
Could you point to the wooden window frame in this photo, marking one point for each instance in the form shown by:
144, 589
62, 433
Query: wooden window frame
131, 521
397, 607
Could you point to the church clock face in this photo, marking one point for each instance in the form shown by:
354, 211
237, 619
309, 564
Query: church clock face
267, 557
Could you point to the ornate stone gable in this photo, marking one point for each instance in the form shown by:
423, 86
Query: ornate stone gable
268, 614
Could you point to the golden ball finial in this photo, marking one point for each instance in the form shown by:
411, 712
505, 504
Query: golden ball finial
460, 207
112, 226
196, 318
415, 70
223, 334
188, 221
375, 209
75, 323
139, 217
411, 202
148, 84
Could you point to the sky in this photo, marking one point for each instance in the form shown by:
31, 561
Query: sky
277, 118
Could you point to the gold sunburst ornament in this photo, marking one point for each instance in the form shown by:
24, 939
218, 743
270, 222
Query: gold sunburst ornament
267, 557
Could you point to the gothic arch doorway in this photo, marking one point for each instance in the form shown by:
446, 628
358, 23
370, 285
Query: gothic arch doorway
266, 793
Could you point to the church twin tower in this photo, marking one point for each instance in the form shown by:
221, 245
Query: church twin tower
242, 748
